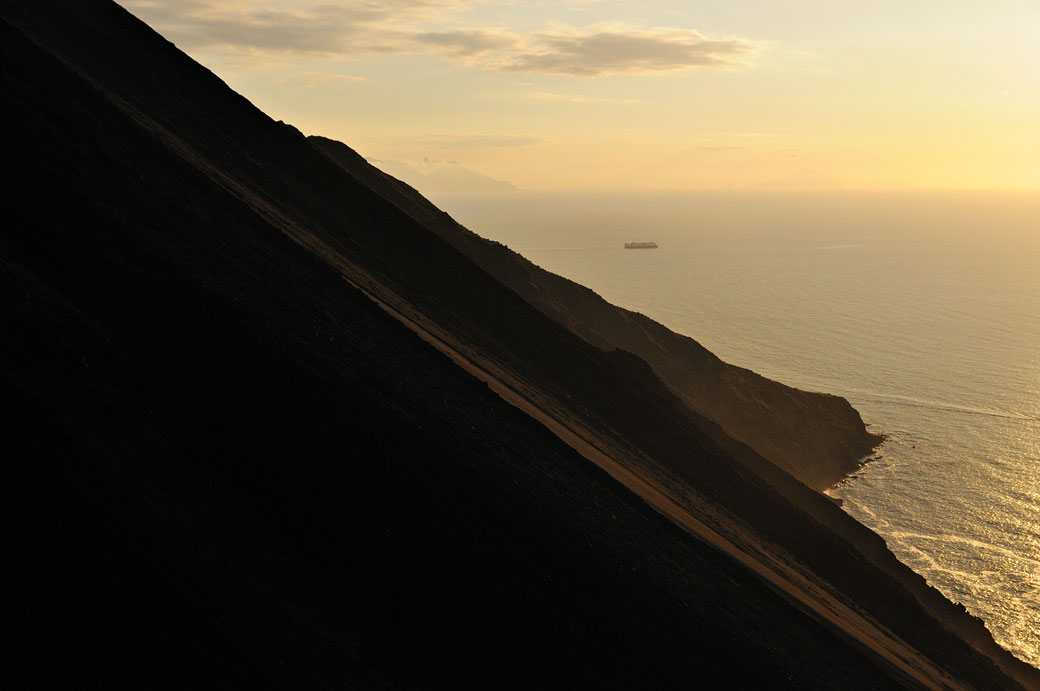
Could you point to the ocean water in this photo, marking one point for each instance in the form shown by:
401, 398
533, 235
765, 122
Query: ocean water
922, 309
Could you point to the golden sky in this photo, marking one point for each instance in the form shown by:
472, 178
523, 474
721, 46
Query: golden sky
645, 94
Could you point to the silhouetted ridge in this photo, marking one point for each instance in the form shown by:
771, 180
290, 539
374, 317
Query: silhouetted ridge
249, 447
818, 438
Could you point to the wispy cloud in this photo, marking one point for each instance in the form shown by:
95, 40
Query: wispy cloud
346, 28
474, 141
316, 78
468, 43
568, 98
370, 27
620, 50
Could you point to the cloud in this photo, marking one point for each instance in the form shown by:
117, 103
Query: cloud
266, 29
545, 96
425, 162
474, 141
316, 78
605, 51
345, 28
467, 42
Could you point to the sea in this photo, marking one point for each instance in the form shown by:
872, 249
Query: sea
922, 309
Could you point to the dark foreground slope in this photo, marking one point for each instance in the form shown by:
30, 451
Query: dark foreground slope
818, 438
226, 467
229, 466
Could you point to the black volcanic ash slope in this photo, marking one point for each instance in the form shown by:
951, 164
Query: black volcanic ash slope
229, 467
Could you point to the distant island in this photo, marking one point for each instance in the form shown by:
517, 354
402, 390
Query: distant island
442, 177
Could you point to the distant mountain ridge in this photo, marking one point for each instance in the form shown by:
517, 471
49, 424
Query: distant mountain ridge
266, 430
442, 177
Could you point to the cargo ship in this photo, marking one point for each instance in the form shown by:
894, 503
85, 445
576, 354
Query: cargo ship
640, 245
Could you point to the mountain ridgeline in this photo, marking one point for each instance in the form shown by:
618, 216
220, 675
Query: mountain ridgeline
277, 422
818, 438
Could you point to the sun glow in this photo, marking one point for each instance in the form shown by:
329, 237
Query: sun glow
647, 94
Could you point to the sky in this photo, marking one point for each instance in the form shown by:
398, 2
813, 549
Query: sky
645, 94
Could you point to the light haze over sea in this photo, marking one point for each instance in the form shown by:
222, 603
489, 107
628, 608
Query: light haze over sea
923, 309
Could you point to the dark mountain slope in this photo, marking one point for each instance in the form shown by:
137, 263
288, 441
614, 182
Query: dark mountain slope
880, 586
228, 459
229, 468
818, 438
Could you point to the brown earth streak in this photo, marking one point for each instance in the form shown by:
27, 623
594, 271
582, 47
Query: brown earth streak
787, 579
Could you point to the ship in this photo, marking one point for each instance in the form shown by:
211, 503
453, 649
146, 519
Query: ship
640, 245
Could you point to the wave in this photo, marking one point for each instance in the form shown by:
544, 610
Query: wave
521, 250
904, 537
946, 406
911, 402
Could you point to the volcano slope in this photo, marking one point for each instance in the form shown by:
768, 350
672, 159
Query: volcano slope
818, 438
269, 431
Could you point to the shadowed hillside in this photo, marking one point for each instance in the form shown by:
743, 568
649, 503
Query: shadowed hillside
270, 431
818, 438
